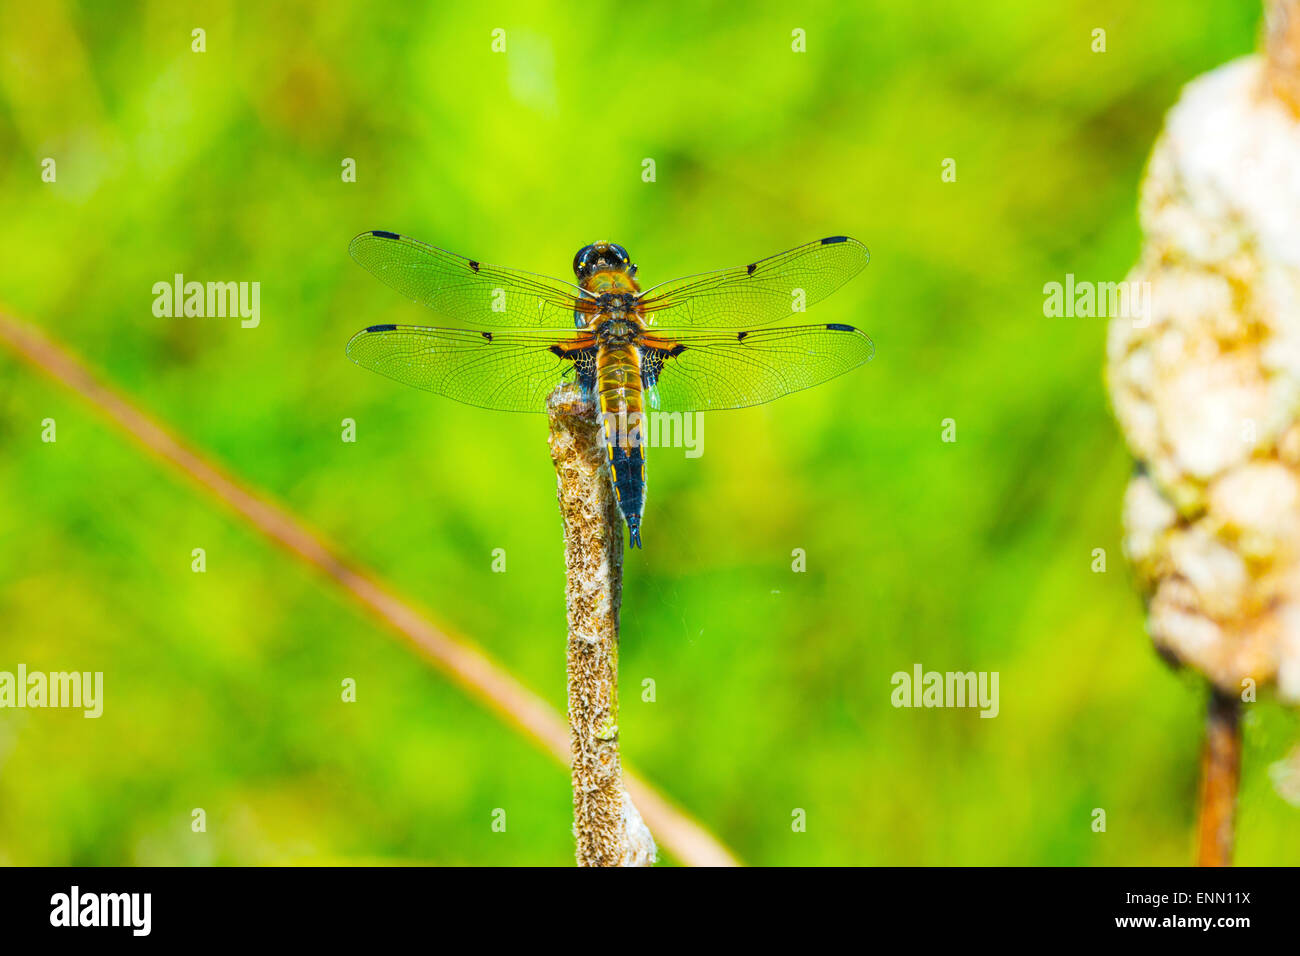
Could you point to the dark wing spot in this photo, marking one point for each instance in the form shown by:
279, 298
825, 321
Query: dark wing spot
740, 336
676, 350
838, 327
487, 335
473, 265
557, 350
831, 240
749, 269
380, 234
381, 328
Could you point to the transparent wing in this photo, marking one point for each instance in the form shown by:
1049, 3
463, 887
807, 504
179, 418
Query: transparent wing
506, 371
697, 372
764, 291
465, 290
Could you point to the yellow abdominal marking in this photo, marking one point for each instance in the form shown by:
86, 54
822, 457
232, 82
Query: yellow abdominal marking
619, 385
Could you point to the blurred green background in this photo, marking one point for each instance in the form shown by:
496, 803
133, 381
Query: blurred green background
773, 688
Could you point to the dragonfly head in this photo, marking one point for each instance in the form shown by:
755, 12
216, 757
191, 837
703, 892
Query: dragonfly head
602, 257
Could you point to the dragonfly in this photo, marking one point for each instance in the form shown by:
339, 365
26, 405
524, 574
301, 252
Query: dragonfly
691, 344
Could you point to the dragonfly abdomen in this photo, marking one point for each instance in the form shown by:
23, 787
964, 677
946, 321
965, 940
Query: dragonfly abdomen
618, 381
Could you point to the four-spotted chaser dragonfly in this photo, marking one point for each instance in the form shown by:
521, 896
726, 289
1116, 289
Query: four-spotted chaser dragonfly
605, 334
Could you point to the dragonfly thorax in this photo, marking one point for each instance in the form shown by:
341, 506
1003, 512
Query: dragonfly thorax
618, 330
615, 304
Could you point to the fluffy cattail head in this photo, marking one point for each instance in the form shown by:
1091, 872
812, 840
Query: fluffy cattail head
1207, 385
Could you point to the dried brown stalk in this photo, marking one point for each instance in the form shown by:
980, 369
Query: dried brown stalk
608, 828
1220, 775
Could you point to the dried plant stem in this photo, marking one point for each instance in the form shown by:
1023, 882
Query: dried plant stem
608, 828
1220, 774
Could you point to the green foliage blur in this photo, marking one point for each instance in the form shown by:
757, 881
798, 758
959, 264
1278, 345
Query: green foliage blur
772, 688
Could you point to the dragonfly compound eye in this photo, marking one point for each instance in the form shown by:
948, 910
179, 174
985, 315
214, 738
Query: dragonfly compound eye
580, 261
